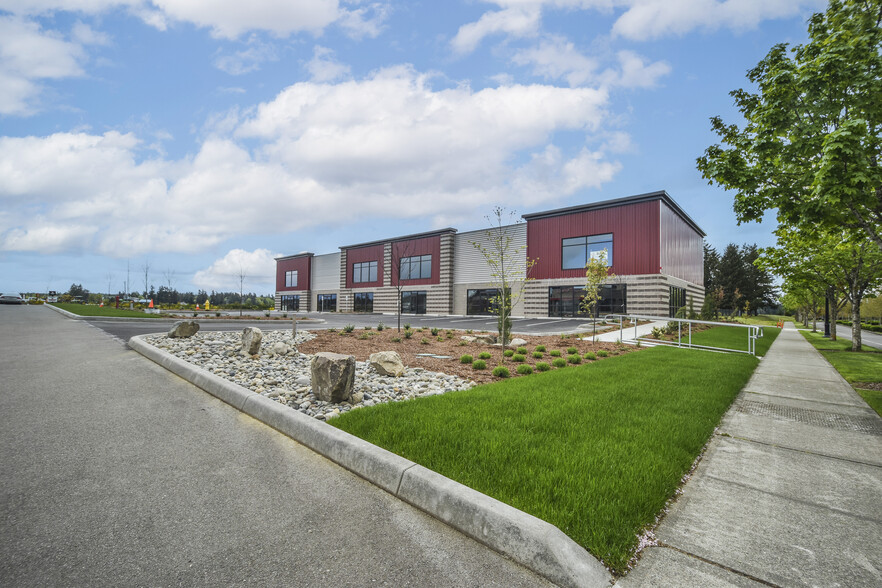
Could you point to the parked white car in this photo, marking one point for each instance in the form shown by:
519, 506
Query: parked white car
11, 299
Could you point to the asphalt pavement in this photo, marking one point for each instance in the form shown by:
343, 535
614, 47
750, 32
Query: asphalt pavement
118, 473
868, 338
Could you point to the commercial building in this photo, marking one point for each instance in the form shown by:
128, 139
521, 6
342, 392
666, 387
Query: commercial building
652, 246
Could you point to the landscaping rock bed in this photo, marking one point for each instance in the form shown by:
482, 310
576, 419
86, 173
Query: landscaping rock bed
285, 376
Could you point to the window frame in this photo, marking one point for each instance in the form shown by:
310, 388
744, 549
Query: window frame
289, 282
365, 300
584, 243
362, 267
293, 303
423, 263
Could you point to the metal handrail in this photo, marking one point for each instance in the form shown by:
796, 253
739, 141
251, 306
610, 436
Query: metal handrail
754, 332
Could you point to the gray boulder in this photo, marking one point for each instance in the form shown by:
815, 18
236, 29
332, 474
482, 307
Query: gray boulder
333, 376
387, 363
282, 348
183, 329
485, 338
468, 338
517, 342
251, 338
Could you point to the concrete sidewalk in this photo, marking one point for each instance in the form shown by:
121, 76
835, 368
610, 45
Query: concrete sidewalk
788, 493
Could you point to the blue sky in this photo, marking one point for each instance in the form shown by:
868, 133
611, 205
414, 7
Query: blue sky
204, 138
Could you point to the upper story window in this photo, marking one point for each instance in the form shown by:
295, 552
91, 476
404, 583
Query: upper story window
291, 279
418, 267
577, 251
365, 271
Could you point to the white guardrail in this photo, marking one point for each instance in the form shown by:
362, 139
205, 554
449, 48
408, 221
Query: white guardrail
753, 332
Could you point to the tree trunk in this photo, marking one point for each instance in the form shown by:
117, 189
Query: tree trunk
856, 324
834, 315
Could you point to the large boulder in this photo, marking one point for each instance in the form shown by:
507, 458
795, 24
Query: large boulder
516, 342
485, 338
251, 338
387, 363
333, 376
183, 329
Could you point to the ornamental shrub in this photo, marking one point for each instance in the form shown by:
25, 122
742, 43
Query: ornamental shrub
483, 354
538, 354
408, 333
602, 353
508, 353
525, 370
522, 350
559, 362
590, 356
348, 328
424, 341
572, 350
396, 339
540, 348
479, 364
518, 358
381, 326
501, 371
574, 359
554, 353
542, 367
435, 331
466, 358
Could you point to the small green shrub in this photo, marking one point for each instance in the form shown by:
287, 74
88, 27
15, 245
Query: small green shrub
419, 329
466, 358
435, 331
364, 336
469, 331
381, 326
574, 359
479, 364
508, 353
554, 353
348, 328
424, 341
602, 353
462, 343
332, 330
408, 333
517, 357
343, 334
590, 356
501, 371
483, 354
538, 354
368, 328
559, 362
522, 350
440, 339
542, 366
525, 370
572, 350
540, 348
406, 326
396, 339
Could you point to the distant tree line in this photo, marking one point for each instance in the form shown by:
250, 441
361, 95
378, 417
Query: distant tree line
734, 284
171, 296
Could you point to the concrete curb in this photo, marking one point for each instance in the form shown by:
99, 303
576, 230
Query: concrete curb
160, 317
529, 541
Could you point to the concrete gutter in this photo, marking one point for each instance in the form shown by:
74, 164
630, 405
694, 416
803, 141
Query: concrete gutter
529, 541
162, 317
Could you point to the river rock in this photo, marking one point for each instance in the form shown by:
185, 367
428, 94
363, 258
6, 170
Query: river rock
387, 363
251, 338
183, 329
333, 376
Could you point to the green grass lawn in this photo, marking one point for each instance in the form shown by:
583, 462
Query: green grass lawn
733, 338
766, 320
93, 310
596, 449
855, 366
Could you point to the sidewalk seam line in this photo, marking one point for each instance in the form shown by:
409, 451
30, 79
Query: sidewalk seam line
719, 565
801, 399
401, 478
799, 500
766, 443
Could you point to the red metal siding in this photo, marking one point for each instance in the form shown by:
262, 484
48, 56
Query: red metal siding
635, 230
360, 255
302, 265
682, 252
425, 246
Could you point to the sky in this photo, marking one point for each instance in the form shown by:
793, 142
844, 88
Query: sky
194, 141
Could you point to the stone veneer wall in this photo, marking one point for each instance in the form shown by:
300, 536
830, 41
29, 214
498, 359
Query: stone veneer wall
648, 295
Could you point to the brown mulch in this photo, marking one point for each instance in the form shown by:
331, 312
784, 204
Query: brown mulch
355, 343
868, 385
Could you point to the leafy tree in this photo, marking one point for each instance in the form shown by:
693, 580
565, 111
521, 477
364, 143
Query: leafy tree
736, 283
507, 273
596, 273
811, 144
711, 267
77, 290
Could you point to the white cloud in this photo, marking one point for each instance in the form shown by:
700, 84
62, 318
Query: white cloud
323, 67
388, 146
555, 58
29, 54
519, 21
635, 72
651, 19
247, 60
256, 268
368, 21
